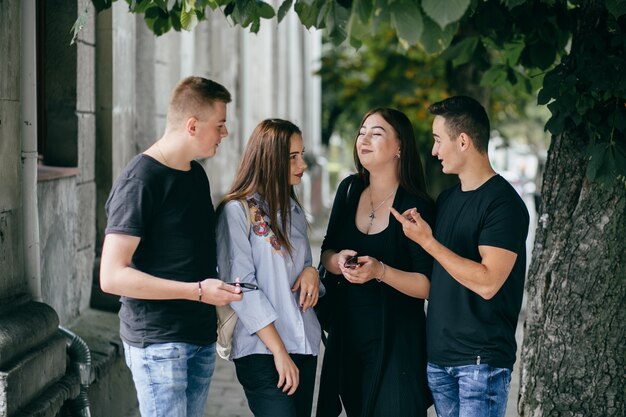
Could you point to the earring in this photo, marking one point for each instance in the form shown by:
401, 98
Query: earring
398, 155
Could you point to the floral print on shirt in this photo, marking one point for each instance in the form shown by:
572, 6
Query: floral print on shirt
261, 227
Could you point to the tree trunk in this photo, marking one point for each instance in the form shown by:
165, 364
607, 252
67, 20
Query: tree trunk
573, 358
573, 355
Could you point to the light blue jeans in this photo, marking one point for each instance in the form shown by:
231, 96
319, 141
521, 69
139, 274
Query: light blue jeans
171, 379
469, 390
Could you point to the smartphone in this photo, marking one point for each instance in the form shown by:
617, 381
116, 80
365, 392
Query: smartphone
246, 285
352, 262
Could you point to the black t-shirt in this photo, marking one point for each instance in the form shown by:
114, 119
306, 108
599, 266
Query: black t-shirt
171, 211
461, 325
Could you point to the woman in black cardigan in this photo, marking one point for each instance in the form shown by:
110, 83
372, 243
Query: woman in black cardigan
375, 358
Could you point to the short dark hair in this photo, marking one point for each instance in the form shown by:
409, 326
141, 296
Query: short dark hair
464, 114
192, 94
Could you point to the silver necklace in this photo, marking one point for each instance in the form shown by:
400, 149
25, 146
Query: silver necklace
373, 209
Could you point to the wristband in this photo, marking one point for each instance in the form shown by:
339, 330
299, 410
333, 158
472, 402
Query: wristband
200, 291
383, 274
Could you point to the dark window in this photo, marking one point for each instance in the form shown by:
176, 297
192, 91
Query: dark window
57, 123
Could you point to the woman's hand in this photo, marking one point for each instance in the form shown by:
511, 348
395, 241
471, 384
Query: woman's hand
288, 372
368, 268
308, 283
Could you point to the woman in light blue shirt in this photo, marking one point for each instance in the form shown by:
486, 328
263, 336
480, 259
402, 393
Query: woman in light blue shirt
262, 240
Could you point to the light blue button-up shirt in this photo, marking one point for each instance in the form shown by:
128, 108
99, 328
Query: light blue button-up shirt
252, 253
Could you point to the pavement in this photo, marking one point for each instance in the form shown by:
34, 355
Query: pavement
227, 399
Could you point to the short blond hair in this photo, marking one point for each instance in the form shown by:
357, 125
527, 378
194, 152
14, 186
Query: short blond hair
192, 95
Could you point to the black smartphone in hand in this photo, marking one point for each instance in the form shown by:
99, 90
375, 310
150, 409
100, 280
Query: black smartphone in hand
352, 262
245, 285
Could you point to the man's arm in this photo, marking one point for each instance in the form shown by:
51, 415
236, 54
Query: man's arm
484, 278
118, 277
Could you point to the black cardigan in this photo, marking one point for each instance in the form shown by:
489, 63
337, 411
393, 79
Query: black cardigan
402, 357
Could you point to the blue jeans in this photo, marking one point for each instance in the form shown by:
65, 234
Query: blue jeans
171, 379
469, 390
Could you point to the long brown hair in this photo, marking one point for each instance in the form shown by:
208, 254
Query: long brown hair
265, 168
410, 171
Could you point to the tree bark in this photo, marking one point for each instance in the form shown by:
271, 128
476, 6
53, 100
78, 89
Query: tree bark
573, 358
573, 354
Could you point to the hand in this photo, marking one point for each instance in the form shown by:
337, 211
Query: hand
343, 256
218, 293
413, 226
288, 373
368, 269
308, 283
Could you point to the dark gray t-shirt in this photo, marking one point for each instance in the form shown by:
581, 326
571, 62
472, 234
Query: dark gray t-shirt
171, 211
461, 325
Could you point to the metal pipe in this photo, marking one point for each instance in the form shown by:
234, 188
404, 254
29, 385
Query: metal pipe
80, 358
28, 129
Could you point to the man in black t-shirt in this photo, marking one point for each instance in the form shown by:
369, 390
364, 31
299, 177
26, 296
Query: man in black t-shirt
478, 275
159, 254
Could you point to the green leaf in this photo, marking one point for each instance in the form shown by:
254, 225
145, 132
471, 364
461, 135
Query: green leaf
283, 9
616, 7
157, 20
363, 9
170, 4
265, 10
161, 3
544, 96
513, 51
255, 26
335, 21
229, 9
495, 76
188, 19
461, 52
213, 4
433, 39
140, 6
556, 123
306, 13
357, 31
445, 12
407, 20
542, 54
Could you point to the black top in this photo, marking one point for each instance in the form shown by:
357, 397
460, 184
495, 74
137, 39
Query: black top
171, 211
362, 301
401, 366
462, 325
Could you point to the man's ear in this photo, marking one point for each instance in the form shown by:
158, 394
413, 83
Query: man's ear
464, 141
190, 126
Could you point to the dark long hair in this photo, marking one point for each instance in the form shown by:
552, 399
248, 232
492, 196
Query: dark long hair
265, 168
410, 170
